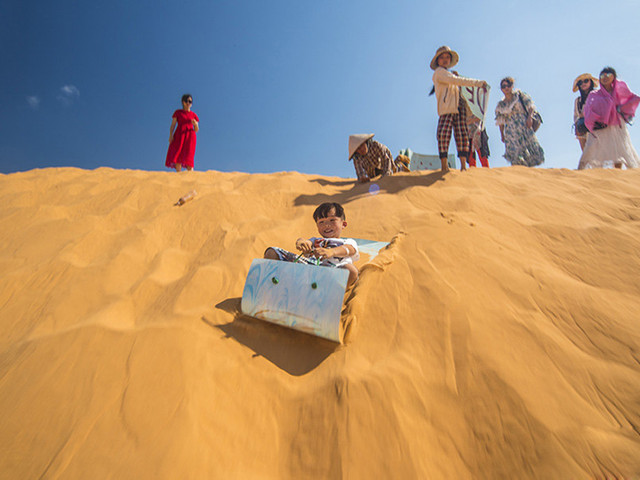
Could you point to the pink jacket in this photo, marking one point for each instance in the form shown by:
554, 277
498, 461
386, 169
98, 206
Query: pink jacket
602, 106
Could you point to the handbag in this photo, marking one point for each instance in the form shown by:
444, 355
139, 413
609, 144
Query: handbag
628, 119
484, 144
580, 127
536, 117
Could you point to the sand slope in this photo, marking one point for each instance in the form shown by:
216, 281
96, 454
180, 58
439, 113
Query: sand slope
498, 337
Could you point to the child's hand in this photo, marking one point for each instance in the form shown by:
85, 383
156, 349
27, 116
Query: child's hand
323, 253
304, 245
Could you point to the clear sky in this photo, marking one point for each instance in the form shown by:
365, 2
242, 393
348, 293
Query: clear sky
279, 85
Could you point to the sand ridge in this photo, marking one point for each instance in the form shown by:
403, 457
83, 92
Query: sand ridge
497, 337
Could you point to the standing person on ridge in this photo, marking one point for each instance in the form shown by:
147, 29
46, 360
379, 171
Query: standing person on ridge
514, 116
606, 113
452, 108
370, 157
586, 84
478, 142
182, 140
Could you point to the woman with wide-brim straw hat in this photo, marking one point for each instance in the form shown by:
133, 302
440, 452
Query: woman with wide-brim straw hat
452, 108
585, 83
370, 157
444, 49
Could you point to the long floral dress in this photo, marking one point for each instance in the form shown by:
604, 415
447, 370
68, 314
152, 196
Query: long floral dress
520, 142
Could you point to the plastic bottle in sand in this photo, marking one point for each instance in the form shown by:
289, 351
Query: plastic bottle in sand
186, 198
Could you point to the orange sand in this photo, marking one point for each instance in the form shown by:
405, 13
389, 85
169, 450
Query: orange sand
498, 337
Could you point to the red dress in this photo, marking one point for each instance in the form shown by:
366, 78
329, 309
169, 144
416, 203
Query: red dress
183, 147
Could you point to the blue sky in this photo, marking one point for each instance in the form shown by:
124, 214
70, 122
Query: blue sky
280, 85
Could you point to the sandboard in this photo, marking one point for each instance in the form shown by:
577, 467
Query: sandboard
294, 295
370, 247
303, 297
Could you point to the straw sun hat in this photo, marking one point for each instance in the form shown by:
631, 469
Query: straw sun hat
584, 76
356, 140
440, 51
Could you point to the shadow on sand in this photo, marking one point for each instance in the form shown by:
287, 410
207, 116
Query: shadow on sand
352, 190
294, 352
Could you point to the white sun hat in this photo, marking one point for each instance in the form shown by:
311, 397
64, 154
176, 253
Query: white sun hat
356, 140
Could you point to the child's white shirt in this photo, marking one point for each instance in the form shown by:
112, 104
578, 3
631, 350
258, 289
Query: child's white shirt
321, 242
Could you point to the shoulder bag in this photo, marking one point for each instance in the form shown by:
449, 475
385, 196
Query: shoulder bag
537, 118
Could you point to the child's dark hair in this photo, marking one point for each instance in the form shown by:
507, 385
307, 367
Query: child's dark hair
325, 209
186, 97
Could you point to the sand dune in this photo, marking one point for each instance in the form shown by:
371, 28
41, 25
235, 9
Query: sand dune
497, 337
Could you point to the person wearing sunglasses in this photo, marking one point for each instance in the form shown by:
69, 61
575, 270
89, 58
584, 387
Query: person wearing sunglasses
585, 83
514, 116
182, 138
606, 114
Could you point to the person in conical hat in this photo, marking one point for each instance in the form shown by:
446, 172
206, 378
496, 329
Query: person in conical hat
585, 83
370, 157
452, 109
355, 141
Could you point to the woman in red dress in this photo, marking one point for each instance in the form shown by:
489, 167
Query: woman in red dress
182, 140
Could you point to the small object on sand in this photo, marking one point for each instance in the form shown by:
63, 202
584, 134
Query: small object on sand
402, 163
186, 198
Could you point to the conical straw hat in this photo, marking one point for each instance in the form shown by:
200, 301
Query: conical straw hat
356, 140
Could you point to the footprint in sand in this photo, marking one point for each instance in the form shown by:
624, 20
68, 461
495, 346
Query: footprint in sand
119, 315
169, 266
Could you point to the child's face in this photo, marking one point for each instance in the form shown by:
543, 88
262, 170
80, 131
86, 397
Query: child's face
331, 226
444, 60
